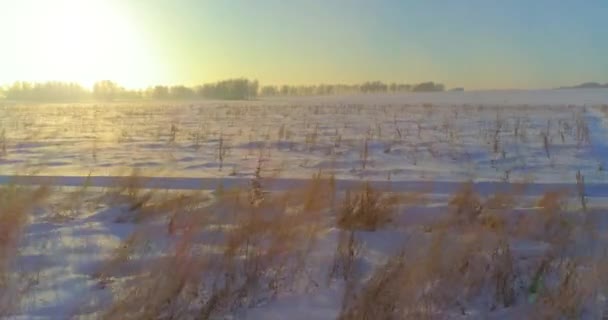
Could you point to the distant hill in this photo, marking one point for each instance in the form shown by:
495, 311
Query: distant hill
587, 85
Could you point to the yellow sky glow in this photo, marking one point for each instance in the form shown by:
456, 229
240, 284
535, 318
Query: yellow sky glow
79, 41
141, 43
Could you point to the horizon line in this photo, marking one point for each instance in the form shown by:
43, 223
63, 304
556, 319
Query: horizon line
262, 84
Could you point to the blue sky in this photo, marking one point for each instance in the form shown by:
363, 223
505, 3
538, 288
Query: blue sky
476, 44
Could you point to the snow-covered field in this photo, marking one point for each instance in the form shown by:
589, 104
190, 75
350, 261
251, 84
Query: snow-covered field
409, 137
469, 205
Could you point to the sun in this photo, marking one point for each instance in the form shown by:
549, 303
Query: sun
83, 41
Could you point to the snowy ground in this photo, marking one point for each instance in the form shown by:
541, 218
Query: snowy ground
421, 147
407, 137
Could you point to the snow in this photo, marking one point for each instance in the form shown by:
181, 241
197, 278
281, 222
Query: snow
175, 149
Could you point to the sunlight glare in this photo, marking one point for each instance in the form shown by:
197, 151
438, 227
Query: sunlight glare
85, 41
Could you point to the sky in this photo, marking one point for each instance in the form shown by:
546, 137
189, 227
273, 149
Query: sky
476, 44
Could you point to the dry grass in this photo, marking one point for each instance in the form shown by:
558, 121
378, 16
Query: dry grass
16, 203
208, 255
467, 265
460, 266
437, 281
262, 251
194, 255
366, 209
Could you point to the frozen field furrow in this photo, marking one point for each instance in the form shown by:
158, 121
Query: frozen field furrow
593, 190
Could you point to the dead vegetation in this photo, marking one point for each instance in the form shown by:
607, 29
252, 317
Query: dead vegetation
261, 252
475, 271
366, 209
205, 255
467, 266
16, 204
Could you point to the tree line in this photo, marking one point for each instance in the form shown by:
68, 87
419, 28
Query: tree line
231, 89
366, 87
